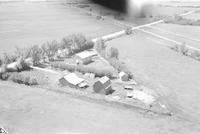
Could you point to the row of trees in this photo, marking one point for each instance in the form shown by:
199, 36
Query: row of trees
185, 50
47, 51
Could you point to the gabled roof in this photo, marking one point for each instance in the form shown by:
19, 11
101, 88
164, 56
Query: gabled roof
86, 54
72, 78
104, 79
122, 74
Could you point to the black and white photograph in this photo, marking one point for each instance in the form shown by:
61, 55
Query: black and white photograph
99, 66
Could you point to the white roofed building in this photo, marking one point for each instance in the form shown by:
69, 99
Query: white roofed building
84, 57
73, 80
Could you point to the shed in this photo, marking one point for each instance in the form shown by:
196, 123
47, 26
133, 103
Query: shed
103, 85
84, 57
73, 80
123, 76
12, 67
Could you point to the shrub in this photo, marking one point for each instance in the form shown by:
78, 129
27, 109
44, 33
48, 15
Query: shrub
183, 49
49, 49
33, 81
112, 53
7, 58
129, 30
84, 69
100, 47
175, 48
83, 6
27, 80
4, 76
196, 55
23, 79
76, 43
35, 52
118, 17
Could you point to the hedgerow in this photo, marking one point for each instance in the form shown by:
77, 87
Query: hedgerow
83, 69
187, 51
23, 79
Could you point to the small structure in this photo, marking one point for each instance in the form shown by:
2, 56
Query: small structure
103, 85
127, 87
62, 53
90, 75
12, 67
73, 81
84, 57
123, 76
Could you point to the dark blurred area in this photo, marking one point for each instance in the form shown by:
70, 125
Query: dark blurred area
132, 8
119, 5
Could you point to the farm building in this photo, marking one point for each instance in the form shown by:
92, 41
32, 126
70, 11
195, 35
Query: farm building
73, 81
103, 85
84, 57
62, 53
123, 76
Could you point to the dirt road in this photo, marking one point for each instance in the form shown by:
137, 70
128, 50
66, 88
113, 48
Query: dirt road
38, 111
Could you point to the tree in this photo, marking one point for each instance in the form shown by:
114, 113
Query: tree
112, 53
35, 52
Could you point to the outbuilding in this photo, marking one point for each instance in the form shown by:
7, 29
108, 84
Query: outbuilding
84, 57
103, 85
123, 76
73, 81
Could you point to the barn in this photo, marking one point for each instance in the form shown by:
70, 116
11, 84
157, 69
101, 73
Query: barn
103, 86
84, 57
72, 80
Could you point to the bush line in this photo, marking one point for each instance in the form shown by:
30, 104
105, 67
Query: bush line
84, 69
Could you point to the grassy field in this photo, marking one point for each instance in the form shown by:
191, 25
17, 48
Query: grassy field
180, 33
189, 31
30, 23
176, 34
26, 110
194, 16
173, 76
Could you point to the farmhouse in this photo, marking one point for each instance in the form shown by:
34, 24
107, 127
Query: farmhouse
123, 76
73, 81
84, 57
103, 85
